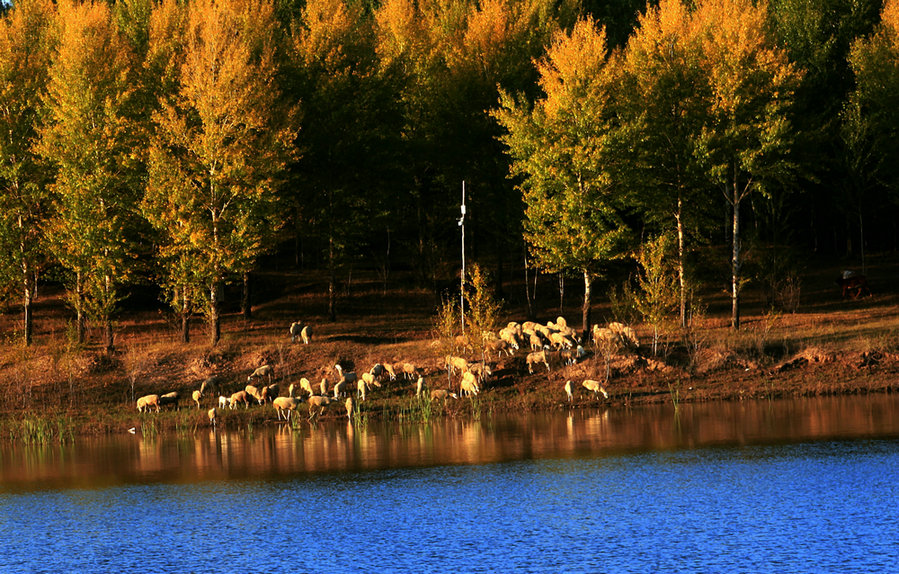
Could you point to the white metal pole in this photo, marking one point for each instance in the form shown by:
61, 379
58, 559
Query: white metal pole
462, 280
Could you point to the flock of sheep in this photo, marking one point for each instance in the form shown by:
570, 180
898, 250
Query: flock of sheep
554, 342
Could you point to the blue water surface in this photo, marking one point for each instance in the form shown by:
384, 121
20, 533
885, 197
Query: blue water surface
826, 506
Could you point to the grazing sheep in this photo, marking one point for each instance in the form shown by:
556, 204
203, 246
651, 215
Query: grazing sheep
419, 387
169, 399
499, 347
409, 371
239, 397
317, 405
561, 341
456, 363
596, 387
263, 371
296, 330
144, 403
212, 416
568, 390
196, 396
469, 385
350, 407
371, 380
223, 402
254, 392
390, 372
536, 342
536, 358
510, 336
442, 394
282, 404
626, 335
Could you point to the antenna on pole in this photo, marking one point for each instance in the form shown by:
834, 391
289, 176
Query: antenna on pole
462, 280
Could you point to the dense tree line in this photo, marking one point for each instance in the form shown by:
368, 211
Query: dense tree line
179, 141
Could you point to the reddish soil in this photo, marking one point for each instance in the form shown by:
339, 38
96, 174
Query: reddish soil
829, 346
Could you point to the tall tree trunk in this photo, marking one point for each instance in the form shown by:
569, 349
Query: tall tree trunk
79, 308
332, 281
245, 306
529, 296
735, 261
215, 326
585, 331
185, 317
680, 262
108, 335
27, 299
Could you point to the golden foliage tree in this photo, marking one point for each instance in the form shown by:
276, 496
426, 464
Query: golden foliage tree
26, 47
89, 136
221, 144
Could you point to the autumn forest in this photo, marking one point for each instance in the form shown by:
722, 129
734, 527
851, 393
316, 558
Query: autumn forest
180, 143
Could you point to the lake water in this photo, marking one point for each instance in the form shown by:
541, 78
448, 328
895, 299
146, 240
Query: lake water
780, 486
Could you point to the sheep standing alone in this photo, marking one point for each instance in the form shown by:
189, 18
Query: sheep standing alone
211, 413
568, 390
196, 396
146, 402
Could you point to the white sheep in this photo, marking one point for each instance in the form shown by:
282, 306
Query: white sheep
223, 402
536, 358
596, 387
146, 402
306, 334
568, 390
419, 387
238, 397
361, 387
211, 413
349, 376
282, 404
196, 396
263, 371
350, 407
306, 386
469, 385
456, 363
409, 370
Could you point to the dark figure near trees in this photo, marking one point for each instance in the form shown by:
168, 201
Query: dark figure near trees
853, 285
